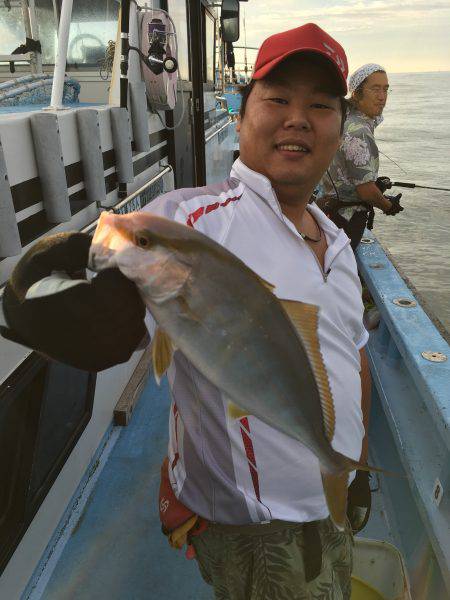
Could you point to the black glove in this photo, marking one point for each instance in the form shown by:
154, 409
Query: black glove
395, 205
383, 184
88, 325
359, 501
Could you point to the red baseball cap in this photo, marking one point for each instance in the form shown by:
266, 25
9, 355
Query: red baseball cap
307, 38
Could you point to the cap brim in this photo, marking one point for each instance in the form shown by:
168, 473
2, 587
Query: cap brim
265, 69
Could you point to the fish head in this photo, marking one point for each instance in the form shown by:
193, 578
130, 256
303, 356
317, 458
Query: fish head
152, 251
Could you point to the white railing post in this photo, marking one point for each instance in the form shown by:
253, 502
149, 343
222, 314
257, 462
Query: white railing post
61, 55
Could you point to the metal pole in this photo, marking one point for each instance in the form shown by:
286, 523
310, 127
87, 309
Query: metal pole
35, 33
27, 24
61, 55
124, 51
56, 13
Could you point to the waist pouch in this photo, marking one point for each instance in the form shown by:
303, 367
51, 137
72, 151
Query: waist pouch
178, 522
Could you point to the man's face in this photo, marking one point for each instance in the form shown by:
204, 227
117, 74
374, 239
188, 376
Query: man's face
291, 128
374, 95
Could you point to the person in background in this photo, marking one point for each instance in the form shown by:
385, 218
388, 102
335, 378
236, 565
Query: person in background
265, 529
349, 190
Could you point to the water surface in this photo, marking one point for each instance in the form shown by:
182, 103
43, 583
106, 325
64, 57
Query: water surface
416, 134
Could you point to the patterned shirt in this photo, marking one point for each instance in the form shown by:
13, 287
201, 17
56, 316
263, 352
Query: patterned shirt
356, 162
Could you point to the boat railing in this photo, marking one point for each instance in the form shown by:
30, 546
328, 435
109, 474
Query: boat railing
133, 201
218, 130
411, 374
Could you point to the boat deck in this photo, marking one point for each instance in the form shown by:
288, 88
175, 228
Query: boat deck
117, 550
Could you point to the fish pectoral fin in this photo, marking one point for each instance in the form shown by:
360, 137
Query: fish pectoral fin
162, 351
335, 487
186, 311
235, 412
305, 319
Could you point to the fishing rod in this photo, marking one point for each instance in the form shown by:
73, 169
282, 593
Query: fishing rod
384, 183
393, 161
415, 185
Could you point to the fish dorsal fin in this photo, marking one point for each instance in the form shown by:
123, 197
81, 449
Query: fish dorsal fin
305, 318
266, 284
162, 350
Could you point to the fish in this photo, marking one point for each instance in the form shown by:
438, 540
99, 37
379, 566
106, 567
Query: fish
263, 353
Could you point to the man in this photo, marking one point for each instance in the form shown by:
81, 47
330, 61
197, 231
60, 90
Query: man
350, 185
268, 532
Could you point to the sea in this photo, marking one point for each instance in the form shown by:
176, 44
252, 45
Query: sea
414, 144
415, 134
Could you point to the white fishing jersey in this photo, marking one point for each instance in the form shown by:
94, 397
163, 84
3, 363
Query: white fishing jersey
239, 471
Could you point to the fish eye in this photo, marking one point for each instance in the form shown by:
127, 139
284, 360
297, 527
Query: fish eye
142, 240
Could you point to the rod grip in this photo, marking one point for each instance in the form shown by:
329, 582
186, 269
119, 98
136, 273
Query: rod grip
403, 184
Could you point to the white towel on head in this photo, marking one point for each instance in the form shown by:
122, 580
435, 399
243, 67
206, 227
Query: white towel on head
358, 76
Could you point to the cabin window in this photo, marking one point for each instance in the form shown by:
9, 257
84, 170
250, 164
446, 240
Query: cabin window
178, 12
44, 409
93, 25
48, 37
209, 46
11, 26
13, 29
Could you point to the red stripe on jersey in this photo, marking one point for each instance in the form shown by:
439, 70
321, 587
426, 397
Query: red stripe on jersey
177, 455
204, 210
249, 451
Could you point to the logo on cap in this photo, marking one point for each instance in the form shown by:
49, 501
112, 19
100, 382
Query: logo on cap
335, 55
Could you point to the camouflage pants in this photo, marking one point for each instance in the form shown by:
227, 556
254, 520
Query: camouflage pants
266, 562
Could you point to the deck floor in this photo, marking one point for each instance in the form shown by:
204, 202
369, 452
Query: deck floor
117, 550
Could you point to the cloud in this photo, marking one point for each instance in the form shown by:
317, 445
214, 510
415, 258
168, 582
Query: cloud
352, 15
390, 30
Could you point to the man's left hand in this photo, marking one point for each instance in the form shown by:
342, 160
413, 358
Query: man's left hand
395, 207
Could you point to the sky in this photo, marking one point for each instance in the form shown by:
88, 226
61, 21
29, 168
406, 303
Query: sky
402, 35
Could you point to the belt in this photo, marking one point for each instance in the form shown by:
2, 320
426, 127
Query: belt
312, 553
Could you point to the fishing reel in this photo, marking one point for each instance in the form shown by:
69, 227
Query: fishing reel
383, 184
158, 42
157, 58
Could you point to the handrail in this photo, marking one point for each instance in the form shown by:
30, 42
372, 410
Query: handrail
129, 198
15, 57
210, 137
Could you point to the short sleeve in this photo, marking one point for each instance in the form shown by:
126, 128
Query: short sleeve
360, 153
362, 338
168, 205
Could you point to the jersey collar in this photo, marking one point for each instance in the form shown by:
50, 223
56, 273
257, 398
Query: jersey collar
261, 185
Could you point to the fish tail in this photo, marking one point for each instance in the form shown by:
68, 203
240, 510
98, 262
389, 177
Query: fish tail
355, 465
335, 487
